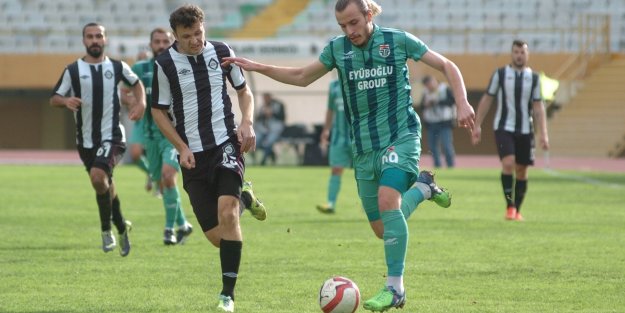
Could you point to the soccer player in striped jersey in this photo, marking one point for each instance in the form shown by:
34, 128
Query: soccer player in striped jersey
339, 144
89, 88
189, 86
386, 131
519, 102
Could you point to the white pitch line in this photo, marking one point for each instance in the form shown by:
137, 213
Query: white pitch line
583, 179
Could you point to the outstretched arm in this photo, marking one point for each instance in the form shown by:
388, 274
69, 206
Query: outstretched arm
466, 115
298, 76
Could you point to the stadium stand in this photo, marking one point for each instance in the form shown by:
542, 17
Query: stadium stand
550, 26
593, 122
575, 41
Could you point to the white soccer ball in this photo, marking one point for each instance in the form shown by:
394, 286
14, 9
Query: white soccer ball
339, 295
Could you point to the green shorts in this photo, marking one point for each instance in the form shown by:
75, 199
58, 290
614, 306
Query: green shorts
160, 152
136, 137
340, 156
396, 166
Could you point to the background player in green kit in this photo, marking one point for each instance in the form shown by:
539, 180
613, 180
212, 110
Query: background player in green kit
161, 155
339, 145
386, 132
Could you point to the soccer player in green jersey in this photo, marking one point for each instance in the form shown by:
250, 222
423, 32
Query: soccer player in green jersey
161, 155
386, 131
339, 145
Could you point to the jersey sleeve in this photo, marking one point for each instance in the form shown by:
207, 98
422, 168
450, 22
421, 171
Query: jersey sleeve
493, 85
327, 56
161, 91
64, 85
129, 77
415, 48
235, 75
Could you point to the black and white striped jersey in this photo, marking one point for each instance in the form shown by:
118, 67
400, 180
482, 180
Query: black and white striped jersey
193, 88
515, 92
96, 85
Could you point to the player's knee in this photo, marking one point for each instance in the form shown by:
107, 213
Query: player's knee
99, 180
168, 177
229, 215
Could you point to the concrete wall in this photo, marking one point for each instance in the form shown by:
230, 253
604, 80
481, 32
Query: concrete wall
26, 82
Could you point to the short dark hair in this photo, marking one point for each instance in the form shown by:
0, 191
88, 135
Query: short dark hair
186, 16
90, 25
159, 30
519, 43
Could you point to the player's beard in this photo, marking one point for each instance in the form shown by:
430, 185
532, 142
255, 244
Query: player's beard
95, 51
519, 63
157, 52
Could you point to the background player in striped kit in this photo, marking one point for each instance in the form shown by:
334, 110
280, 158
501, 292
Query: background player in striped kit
190, 83
386, 131
338, 146
519, 102
89, 88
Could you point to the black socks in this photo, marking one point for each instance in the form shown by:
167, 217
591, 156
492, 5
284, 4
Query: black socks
230, 256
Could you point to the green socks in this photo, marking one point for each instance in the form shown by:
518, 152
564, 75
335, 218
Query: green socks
395, 241
173, 208
412, 198
142, 163
333, 188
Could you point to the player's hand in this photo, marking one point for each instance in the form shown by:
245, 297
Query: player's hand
246, 137
324, 138
466, 115
544, 142
187, 160
73, 103
136, 111
476, 135
243, 63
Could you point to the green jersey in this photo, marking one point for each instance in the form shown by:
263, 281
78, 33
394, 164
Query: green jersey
376, 87
340, 128
144, 69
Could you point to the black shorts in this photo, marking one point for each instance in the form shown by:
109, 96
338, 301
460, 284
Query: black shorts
519, 145
218, 172
105, 156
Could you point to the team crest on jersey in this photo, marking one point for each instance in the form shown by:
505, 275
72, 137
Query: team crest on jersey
213, 64
108, 74
385, 50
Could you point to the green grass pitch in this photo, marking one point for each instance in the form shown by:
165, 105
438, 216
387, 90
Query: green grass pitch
568, 256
